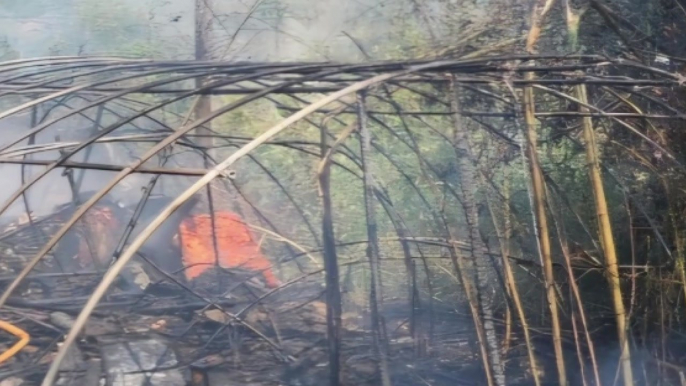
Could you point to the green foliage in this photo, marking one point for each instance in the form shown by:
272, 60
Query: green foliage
114, 29
408, 40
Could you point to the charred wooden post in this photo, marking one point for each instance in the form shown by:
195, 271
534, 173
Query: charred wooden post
376, 294
333, 289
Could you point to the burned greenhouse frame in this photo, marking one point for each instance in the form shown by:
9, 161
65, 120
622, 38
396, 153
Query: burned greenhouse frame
357, 185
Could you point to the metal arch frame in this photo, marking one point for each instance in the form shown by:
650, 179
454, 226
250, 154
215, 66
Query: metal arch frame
307, 72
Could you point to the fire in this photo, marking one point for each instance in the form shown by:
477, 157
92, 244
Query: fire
235, 244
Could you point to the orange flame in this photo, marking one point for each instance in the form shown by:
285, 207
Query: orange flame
236, 246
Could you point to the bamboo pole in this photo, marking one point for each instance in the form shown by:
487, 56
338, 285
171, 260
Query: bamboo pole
606, 238
537, 193
472, 301
541, 225
564, 246
504, 238
504, 242
540, 9
507, 339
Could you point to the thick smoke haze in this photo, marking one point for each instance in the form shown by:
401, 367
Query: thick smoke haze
274, 29
241, 30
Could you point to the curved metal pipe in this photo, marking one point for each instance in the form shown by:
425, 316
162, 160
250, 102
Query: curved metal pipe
114, 270
130, 169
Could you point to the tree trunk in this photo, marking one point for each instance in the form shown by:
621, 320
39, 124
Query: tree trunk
468, 183
606, 238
